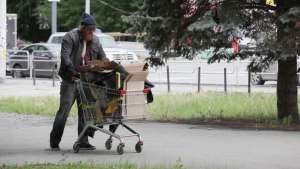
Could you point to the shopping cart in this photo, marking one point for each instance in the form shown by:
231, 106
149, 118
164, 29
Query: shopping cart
113, 104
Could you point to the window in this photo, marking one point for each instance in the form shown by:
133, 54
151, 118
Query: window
57, 39
107, 42
41, 48
30, 49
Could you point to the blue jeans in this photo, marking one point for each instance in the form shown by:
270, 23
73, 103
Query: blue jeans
68, 95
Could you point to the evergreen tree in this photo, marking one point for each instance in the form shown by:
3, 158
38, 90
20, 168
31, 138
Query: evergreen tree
174, 28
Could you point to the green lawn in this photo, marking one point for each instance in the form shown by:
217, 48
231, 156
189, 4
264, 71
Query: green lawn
41, 105
205, 106
88, 166
213, 106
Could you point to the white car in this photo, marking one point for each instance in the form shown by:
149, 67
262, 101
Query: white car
270, 74
110, 47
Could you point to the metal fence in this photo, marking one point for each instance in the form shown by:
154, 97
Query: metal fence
196, 73
18, 56
34, 64
41, 64
199, 73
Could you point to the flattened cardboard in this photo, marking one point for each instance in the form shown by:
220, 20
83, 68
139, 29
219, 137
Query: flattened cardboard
135, 101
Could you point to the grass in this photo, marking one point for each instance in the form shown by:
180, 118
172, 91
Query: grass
88, 166
41, 105
258, 107
214, 106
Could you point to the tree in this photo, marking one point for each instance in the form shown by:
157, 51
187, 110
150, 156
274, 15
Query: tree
183, 27
34, 16
288, 31
107, 13
29, 25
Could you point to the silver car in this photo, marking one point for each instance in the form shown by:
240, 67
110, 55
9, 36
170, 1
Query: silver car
269, 74
110, 47
43, 56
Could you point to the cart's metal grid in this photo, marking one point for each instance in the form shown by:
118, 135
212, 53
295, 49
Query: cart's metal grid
105, 96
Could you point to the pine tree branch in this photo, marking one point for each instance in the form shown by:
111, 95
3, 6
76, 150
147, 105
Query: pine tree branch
115, 8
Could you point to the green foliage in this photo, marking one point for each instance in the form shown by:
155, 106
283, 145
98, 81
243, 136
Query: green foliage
34, 16
215, 106
29, 26
237, 106
176, 28
32, 105
106, 12
291, 39
287, 121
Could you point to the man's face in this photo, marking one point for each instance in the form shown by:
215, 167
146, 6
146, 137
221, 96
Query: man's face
87, 32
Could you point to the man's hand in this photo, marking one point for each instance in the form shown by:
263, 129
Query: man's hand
113, 64
84, 68
105, 60
75, 76
99, 65
146, 66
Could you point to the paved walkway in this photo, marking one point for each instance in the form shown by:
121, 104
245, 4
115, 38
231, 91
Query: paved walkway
25, 139
25, 87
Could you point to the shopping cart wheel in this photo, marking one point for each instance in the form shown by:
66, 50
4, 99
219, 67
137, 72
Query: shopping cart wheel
120, 148
76, 147
108, 144
139, 147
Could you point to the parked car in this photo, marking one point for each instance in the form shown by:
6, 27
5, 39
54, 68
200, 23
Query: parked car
259, 78
110, 47
45, 57
270, 74
208, 53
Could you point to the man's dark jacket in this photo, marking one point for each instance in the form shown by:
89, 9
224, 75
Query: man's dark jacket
71, 50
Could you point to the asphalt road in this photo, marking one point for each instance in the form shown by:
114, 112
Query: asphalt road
24, 139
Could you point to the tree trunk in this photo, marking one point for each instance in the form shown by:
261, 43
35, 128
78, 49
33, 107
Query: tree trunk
287, 89
287, 79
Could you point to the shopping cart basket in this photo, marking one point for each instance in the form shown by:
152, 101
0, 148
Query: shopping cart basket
113, 105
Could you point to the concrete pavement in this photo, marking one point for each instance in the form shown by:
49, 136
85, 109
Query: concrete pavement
25, 139
25, 87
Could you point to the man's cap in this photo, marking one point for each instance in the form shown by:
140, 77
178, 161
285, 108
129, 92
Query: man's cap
88, 20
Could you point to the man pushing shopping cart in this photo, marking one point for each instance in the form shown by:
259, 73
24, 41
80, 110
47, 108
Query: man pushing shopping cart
102, 97
111, 97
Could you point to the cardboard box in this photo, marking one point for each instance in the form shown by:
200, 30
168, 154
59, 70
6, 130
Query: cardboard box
134, 104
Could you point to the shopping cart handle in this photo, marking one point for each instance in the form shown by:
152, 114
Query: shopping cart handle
76, 80
146, 90
122, 92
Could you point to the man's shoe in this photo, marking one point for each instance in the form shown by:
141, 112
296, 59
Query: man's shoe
54, 147
86, 146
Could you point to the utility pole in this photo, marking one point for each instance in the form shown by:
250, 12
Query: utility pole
53, 15
87, 6
2, 40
